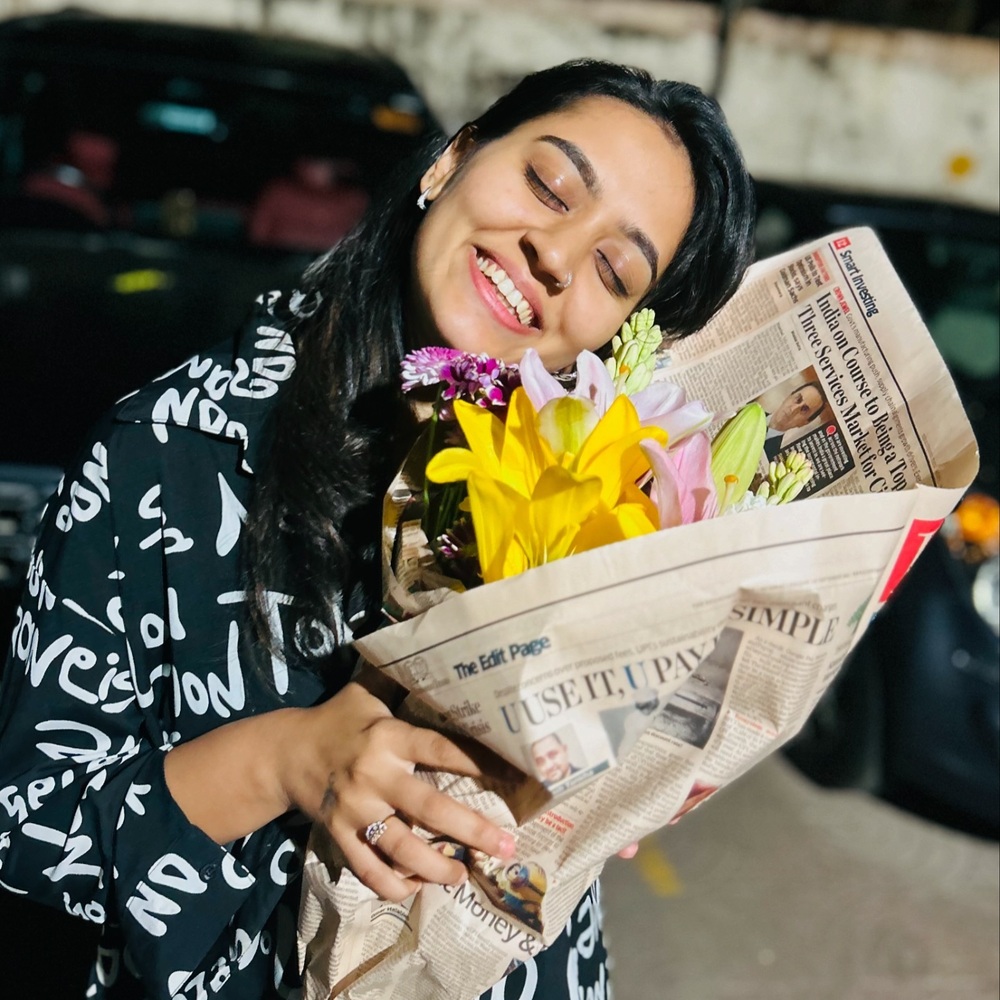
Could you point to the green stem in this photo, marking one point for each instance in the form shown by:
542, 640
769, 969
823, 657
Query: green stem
431, 438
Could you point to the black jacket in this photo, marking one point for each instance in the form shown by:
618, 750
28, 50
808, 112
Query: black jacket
132, 637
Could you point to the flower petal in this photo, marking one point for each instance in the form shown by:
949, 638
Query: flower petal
538, 383
667, 491
611, 452
567, 422
619, 421
665, 405
452, 465
496, 510
593, 382
484, 433
657, 399
693, 459
560, 504
683, 488
524, 454
686, 420
622, 522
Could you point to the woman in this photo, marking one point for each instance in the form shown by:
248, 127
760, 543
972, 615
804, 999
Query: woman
201, 569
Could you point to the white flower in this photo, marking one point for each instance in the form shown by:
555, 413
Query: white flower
660, 404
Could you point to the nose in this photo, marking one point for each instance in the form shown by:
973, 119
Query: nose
553, 255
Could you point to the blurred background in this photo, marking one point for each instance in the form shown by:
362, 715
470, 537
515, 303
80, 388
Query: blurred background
164, 161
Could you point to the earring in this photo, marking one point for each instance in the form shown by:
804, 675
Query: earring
422, 201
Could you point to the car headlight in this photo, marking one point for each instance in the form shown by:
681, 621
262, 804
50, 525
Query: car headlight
973, 535
986, 592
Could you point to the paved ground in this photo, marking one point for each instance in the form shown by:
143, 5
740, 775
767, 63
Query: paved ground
779, 890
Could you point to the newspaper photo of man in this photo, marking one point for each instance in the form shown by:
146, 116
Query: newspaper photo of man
793, 407
550, 755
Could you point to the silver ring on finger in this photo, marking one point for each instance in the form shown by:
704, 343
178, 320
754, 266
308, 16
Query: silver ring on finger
374, 831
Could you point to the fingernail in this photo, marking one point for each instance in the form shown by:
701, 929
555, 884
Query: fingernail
507, 846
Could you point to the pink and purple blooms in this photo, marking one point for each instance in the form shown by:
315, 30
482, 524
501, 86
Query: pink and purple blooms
476, 378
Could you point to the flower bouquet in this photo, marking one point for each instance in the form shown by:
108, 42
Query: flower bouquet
606, 584
517, 470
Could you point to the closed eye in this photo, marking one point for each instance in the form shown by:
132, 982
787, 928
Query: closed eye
610, 276
542, 191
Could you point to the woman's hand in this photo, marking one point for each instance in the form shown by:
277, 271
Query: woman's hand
346, 763
351, 763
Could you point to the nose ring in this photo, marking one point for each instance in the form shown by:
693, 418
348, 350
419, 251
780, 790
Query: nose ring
566, 282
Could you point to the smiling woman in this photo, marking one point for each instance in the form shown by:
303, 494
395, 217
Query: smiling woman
217, 544
549, 236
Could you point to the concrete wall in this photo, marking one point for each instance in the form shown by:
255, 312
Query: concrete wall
903, 112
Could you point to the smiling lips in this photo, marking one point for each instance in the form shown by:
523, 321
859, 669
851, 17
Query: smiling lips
509, 295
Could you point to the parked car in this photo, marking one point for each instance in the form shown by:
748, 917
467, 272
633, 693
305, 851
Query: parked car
915, 714
154, 179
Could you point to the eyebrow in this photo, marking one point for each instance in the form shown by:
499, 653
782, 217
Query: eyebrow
585, 168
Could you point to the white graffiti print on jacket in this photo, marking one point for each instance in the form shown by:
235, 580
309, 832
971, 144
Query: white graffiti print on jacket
132, 637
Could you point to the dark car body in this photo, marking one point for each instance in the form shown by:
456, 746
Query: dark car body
914, 715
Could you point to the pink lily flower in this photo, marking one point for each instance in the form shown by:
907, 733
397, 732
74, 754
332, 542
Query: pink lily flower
661, 404
683, 488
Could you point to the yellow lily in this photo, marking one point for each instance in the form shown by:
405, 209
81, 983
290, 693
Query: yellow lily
545, 485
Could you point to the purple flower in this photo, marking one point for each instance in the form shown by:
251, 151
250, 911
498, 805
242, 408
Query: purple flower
426, 365
457, 549
475, 378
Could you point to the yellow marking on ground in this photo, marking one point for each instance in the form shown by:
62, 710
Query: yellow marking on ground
657, 871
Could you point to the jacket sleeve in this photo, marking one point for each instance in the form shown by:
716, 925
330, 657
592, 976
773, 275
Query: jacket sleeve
86, 821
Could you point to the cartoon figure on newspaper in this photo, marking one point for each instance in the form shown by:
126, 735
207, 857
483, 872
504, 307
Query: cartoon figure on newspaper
516, 887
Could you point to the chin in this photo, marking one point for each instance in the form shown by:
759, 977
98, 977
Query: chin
494, 344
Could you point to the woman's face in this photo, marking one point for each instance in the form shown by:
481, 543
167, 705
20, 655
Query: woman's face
596, 196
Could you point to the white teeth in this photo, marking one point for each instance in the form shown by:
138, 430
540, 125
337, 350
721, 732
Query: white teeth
515, 301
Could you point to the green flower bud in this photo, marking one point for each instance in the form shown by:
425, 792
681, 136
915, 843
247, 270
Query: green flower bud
736, 453
633, 352
786, 479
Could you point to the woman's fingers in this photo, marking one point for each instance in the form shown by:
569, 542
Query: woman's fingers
399, 862
441, 814
411, 854
433, 749
422, 802
362, 772
372, 870
457, 754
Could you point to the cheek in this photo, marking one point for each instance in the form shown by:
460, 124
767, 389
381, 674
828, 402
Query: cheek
593, 321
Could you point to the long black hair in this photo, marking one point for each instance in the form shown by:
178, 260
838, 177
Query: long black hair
339, 431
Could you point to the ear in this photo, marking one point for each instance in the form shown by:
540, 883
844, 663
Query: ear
443, 168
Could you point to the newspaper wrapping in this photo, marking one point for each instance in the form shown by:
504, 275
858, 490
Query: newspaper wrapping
665, 666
